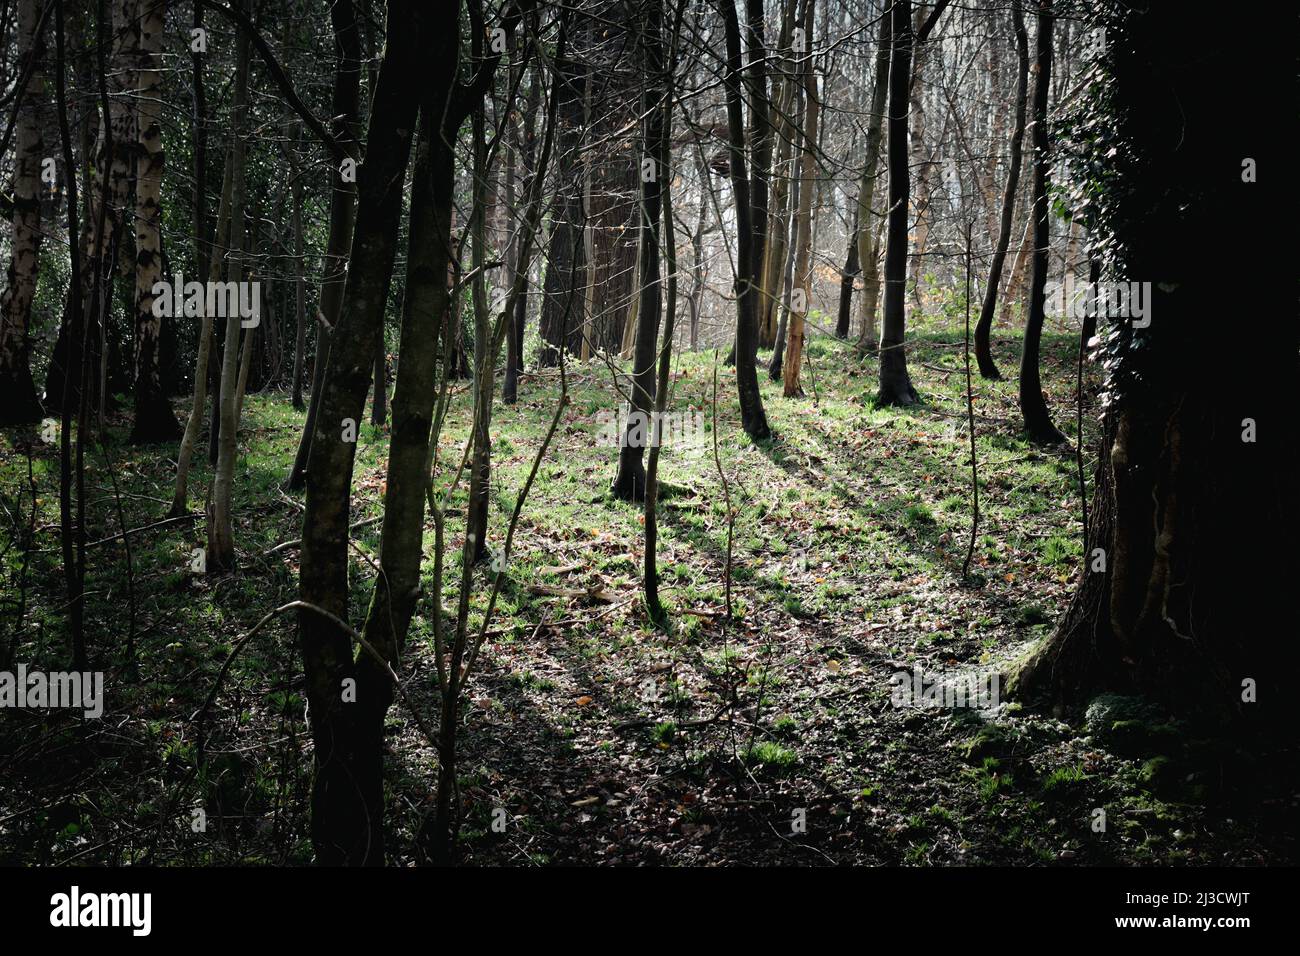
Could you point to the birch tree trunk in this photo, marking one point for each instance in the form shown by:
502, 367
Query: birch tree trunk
101, 233
18, 401
154, 419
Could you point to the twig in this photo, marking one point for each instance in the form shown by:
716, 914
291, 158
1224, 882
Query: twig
653, 721
122, 534
201, 714
297, 541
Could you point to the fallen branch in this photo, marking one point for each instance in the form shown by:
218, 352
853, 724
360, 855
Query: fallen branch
297, 541
687, 725
122, 534
594, 594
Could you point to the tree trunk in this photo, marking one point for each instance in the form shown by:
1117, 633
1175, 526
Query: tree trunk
202, 361
221, 535
480, 461
588, 236
921, 162
778, 227
786, 283
851, 272
628, 339
629, 481
895, 383
73, 547
650, 559
155, 420
801, 293
983, 352
510, 386
868, 251
101, 235
1089, 330
752, 416
199, 124
519, 320
696, 301
562, 301
760, 138
345, 129
299, 281
379, 402
340, 833
780, 204
18, 401
1016, 282
397, 586
1195, 483
868, 334
1033, 405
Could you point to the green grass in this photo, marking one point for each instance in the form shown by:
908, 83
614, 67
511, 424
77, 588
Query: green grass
772, 756
851, 527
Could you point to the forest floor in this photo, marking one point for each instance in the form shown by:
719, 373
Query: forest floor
769, 738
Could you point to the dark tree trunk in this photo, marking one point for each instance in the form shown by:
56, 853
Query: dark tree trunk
18, 401
345, 106
515, 347
398, 586
221, 555
983, 351
851, 270
518, 321
562, 299
340, 833
1195, 486
752, 416
629, 482
1033, 405
1089, 330
895, 383
214, 372
299, 282
650, 574
199, 193
379, 403
760, 136
514, 159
